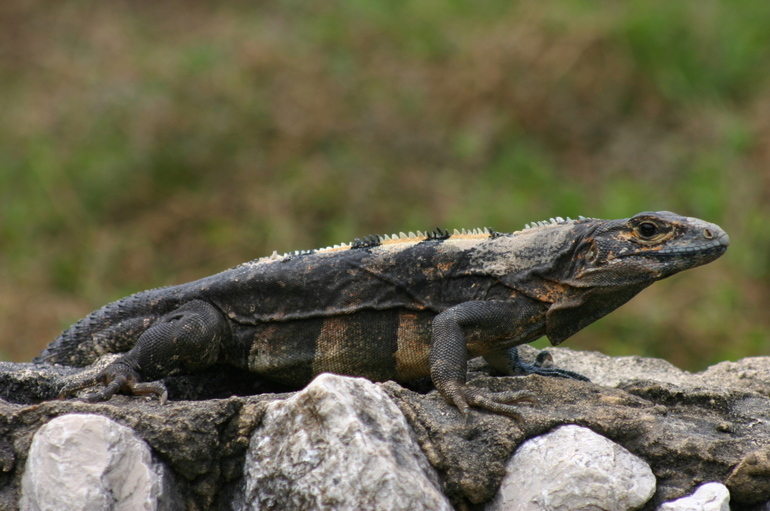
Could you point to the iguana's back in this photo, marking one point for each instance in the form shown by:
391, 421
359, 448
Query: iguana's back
399, 273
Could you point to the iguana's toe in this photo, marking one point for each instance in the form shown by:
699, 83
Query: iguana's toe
70, 389
149, 388
504, 403
116, 378
501, 402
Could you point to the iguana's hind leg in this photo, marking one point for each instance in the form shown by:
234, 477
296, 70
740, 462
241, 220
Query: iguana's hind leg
186, 339
449, 355
509, 363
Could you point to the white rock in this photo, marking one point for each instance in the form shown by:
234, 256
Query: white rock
87, 462
339, 444
573, 468
707, 497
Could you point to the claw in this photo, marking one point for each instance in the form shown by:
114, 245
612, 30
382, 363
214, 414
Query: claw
516, 396
498, 404
148, 388
70, 389
464, 397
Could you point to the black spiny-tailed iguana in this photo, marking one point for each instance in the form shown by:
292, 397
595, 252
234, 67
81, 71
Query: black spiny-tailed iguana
395, 307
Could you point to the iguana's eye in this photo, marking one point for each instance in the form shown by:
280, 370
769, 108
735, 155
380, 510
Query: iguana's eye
647, 229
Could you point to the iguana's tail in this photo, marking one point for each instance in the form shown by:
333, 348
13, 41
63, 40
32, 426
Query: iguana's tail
112, 329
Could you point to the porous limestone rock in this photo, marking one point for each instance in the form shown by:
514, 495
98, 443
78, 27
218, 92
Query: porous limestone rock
85, 462
708, 497
340, 444
689, 427
750, 479
573, 468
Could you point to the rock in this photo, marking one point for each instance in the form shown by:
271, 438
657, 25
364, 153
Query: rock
341, 443
612, 371
708, 497
750, 480
573, 468
689, 428
82, 462
27, 383
202, 444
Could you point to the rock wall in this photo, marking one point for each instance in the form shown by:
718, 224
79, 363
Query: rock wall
642, 435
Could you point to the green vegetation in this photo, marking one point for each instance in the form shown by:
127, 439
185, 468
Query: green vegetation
147, 143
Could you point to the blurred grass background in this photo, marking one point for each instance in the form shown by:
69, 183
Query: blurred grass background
153, 143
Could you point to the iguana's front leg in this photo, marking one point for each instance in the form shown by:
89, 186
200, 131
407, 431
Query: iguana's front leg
188, 338
449, 354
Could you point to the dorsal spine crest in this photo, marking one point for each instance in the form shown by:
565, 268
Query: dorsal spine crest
375, 240
555, 221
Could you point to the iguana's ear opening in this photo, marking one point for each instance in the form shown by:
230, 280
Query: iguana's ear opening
582, 307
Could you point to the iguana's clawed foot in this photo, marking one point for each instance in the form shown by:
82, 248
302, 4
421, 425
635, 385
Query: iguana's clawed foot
116, 377
504, 403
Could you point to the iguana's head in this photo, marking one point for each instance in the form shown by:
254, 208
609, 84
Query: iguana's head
615, 259
644, 248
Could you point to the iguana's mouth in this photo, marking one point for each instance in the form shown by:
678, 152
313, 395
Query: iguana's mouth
711, 244
677, 259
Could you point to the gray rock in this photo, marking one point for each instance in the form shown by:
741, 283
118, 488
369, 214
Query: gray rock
573, 468
83, 462
612, 371
340, 444
748, 373
27, 383
750, 479
708, 497
202, 444
689, 428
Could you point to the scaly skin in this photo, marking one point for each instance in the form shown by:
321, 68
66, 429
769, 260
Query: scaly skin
391, 308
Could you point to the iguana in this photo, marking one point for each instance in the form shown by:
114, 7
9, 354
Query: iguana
397, 307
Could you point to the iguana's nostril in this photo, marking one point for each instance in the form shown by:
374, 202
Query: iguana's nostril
708, 234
